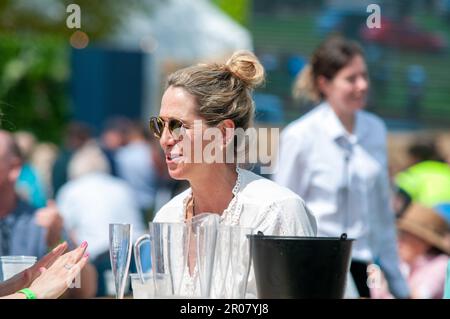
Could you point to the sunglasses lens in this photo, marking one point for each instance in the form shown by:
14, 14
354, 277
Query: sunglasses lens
156, 126
175, 128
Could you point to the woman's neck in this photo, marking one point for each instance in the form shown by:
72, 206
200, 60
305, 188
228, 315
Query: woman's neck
212, 192
347, 118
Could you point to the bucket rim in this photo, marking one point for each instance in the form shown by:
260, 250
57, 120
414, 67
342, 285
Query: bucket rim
292, 238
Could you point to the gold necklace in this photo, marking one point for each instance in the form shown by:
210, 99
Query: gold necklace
190, 209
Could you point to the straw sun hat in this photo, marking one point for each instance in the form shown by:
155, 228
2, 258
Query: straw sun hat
426, 224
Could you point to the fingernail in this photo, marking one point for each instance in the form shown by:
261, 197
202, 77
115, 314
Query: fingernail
86, 255
84, 244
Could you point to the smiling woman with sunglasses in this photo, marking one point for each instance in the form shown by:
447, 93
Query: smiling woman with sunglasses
218, 96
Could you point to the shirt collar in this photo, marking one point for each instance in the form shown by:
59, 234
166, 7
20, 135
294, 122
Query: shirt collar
337, 131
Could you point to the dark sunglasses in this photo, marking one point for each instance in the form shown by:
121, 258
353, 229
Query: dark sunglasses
176, 127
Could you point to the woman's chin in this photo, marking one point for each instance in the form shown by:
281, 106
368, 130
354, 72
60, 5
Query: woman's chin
177, 177
358, 104
176, 171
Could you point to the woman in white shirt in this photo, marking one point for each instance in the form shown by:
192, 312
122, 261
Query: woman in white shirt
218, 96
334, 157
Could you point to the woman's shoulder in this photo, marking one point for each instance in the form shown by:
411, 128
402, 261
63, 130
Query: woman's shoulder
277, 207
372, 120
260, 189
172, 211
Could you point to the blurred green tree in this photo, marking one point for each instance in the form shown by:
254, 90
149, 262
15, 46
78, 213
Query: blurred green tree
34, 57
239, 10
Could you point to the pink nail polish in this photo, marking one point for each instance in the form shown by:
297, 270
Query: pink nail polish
86, 255
84, 244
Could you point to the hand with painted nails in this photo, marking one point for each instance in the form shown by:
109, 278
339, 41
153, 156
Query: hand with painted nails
50, 277
26, 277
56, 279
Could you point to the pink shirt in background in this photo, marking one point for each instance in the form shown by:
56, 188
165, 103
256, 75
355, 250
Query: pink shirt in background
426, 278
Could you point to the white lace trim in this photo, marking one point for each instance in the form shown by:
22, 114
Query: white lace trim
232, 213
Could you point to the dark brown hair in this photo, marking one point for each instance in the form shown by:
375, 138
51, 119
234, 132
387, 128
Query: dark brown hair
327, 60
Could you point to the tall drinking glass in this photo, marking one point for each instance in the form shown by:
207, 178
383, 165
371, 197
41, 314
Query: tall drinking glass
120, 254
169, 246
222, 259
232, 262
241, 252
204, 230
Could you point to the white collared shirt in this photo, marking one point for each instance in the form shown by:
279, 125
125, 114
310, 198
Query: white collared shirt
343, 179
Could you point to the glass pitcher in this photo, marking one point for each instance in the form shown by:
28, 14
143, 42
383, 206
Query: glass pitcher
182, 256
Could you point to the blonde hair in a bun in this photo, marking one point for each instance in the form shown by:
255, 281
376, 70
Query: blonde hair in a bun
223, 91
246, 66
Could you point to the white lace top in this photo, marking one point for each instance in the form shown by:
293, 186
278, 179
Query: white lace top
258, 203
